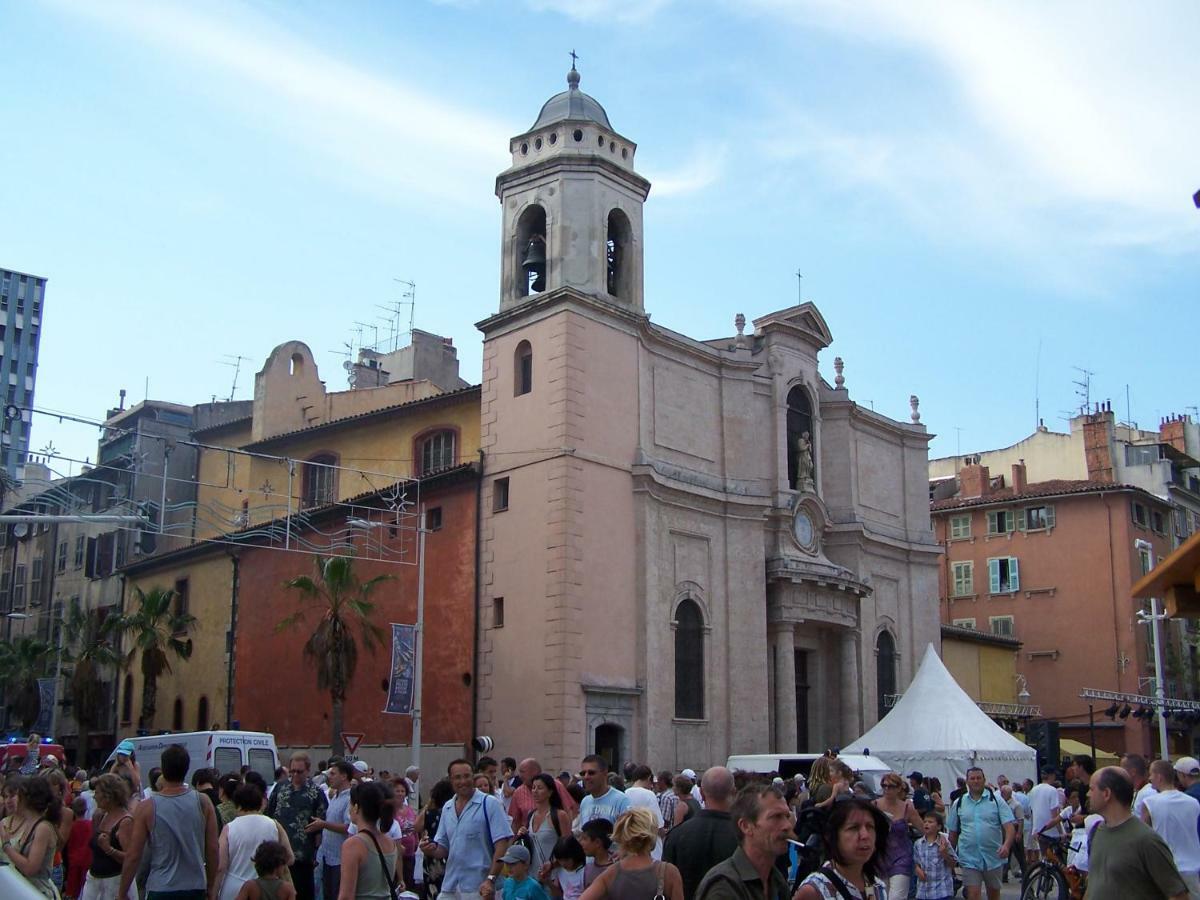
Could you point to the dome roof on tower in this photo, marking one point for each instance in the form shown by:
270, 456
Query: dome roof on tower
571, 105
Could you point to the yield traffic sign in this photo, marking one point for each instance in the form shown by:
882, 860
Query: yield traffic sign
352, 739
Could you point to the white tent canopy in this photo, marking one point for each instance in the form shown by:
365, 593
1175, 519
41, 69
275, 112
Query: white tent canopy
937, 730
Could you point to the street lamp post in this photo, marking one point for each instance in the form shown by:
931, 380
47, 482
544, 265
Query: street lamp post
1153, 618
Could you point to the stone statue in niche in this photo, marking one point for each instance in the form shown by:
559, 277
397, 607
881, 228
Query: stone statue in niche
804, 461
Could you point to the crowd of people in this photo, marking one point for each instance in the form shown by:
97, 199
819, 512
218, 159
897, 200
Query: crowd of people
508, 830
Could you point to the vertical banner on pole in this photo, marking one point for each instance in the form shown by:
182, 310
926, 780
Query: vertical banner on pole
400, 683
46, 697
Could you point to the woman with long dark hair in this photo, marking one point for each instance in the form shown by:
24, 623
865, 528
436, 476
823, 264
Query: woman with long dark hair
855, 842
35, 835
547, 822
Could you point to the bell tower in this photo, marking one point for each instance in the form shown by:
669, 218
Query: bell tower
572, 207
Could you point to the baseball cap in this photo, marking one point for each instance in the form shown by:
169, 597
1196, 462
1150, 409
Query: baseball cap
361, 766
125, 747
516, 854
916, 775
689, 773
1187, 765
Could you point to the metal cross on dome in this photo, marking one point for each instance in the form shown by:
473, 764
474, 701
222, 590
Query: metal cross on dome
574, 57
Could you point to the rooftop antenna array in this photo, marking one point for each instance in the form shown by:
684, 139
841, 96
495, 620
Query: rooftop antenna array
235, 362
1083, 388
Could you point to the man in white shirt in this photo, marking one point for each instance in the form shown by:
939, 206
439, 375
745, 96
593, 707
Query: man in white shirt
640, 794
1139, 770
1173, 816
1044, 807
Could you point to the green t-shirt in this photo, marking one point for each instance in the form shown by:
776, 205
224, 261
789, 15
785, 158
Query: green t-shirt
1131, 862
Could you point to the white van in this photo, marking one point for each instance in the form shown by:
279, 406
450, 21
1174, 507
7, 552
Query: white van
786, 765
225, 751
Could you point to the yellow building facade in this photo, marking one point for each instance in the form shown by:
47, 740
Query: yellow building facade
983, 664
301, 449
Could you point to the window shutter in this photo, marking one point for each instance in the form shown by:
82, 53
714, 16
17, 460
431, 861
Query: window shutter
1049, 516
1014, 577
992, 528
1021, 519
994, 576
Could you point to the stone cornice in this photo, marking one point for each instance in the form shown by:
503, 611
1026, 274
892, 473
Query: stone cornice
584, 164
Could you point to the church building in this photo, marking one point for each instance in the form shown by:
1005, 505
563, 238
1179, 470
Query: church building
689, 548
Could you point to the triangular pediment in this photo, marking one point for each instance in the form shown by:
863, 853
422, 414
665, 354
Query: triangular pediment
805, 320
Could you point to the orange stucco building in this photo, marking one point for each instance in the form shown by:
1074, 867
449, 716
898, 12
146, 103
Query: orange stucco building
1052, 564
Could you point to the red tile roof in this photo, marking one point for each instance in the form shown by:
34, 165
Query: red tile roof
1054, 488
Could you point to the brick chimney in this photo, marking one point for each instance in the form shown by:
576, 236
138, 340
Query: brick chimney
1018, 477
973, 481
1171, 432
1097, 443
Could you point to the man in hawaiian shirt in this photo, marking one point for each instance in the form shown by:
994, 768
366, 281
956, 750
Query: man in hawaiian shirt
294, 804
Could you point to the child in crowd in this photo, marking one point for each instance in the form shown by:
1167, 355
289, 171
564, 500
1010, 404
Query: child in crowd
596, 840
934, 859
270, 863
518, 885
566, 875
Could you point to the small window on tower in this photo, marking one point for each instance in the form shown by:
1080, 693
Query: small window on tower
523, 369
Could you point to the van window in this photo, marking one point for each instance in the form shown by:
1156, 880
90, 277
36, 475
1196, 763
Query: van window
227, 759
263, 762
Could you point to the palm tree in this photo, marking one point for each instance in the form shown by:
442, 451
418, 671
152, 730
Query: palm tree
22, 662
159, 633
340, 600
91, 648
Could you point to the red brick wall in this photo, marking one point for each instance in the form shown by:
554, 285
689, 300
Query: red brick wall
1090, 562
276, 688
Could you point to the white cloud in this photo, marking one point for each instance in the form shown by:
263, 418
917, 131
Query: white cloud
700, 171
593, 11
389, 138
1074, 111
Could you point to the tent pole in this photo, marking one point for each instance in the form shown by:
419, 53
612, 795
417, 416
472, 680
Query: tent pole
1092, 728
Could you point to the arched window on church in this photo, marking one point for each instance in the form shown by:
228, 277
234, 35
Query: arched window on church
799, 424
620, 236
689, 661
177, 715
523, 369
529, 247
202, 723
885, 669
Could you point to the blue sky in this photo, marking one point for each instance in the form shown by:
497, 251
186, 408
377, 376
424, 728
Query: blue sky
960, 184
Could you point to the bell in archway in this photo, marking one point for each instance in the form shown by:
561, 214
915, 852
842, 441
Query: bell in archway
534, 263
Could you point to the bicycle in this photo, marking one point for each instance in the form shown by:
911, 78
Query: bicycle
1052, 878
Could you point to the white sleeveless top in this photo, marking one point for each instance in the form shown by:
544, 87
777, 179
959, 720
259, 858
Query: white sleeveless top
243, 835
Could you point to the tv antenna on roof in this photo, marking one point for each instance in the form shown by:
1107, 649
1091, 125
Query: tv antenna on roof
1083, 387
236, 362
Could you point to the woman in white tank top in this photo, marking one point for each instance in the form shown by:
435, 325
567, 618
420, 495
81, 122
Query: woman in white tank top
241, 837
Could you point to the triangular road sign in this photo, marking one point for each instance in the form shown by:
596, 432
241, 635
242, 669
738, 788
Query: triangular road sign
352, 739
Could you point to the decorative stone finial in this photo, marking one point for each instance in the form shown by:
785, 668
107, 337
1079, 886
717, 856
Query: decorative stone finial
915, 403
739, 322
839, 382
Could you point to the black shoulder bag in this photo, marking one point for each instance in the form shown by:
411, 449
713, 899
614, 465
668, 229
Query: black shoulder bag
388, 875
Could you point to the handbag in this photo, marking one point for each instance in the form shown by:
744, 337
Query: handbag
388, 875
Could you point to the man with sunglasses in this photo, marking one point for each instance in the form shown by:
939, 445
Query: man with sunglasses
602, 800
295, 804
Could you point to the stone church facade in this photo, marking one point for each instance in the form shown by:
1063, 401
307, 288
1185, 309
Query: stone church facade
688, 548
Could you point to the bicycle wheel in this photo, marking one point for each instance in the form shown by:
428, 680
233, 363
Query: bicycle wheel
1044, 883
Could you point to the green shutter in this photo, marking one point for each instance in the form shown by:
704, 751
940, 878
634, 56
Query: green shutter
1049, 516
1014, 576
994, 576
1021, 519
991, 517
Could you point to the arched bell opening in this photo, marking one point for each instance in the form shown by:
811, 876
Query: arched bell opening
617, 249
530, 247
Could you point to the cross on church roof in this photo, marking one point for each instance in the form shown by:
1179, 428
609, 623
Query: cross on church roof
574, 56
